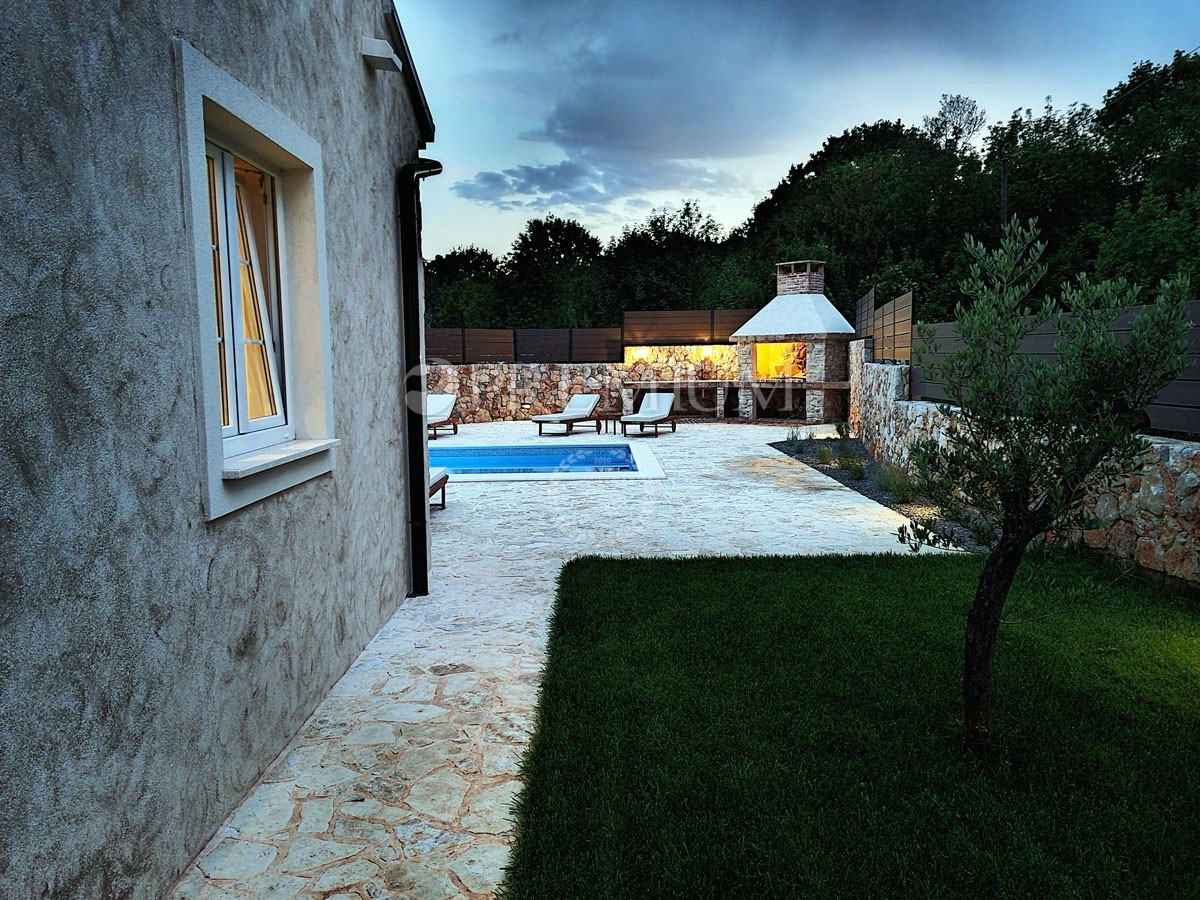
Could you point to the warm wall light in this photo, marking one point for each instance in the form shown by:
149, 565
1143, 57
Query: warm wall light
706, 351
641, 352
379, 55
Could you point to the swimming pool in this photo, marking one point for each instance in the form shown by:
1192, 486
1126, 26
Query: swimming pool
546, 463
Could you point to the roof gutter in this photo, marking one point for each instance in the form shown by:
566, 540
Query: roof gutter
408, 239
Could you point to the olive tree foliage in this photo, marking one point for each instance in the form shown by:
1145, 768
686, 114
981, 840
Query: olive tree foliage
1027, 438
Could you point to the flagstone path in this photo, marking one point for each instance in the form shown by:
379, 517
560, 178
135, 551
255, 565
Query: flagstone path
400, 785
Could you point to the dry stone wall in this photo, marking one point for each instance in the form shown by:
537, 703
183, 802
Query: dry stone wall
668, 363
881, 413
506, 392
1151, 517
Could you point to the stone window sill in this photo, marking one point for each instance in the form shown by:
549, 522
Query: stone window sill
271, 457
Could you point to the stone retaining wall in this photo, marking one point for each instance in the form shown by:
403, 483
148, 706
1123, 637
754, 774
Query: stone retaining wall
506, 392
667, 363
1152, 517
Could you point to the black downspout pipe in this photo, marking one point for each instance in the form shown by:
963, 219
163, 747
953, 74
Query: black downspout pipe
408, 214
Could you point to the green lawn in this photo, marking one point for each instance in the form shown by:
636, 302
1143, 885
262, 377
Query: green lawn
790, 726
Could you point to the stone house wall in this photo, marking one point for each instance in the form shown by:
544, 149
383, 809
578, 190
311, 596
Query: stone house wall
155, 661
1151, 517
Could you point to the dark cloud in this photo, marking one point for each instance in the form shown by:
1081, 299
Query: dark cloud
484, 186
672, 108
983, 27
591, 186
666, 96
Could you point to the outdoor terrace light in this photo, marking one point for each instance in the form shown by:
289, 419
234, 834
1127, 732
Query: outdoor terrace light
379, 54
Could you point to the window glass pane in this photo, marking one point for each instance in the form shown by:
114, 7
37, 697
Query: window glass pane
260, 394
246, 297
218, 294
260, 400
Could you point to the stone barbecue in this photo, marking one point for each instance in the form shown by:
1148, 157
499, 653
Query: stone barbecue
797, 337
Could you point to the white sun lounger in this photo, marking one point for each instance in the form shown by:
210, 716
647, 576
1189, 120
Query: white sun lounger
438, 409
655, 410
580, 408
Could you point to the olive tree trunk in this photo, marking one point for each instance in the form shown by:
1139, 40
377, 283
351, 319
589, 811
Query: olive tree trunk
983, 625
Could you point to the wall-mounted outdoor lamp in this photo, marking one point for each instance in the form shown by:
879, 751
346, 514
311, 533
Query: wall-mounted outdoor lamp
379, 55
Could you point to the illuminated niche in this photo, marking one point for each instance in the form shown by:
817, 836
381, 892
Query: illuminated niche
782, 360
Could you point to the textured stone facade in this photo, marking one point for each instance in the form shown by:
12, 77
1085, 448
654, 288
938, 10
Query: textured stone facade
825, 406
806, 276
155, 662
745, 359
1151, 517
837, 350
815, 363
745, 402
668, 363
507, 392
857, 353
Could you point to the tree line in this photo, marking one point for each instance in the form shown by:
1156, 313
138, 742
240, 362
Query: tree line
1115, 191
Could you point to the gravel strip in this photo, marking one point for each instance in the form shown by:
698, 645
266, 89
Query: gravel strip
808, 452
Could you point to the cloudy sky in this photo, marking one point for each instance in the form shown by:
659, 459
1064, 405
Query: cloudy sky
602, 111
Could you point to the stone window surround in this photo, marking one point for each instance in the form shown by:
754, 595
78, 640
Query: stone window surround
214, 104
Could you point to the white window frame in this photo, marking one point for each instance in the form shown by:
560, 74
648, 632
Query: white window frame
246, 464
244, 434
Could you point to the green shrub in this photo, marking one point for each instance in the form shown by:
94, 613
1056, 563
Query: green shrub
798, 438
852, 464
843, 430
825, 456
897, 483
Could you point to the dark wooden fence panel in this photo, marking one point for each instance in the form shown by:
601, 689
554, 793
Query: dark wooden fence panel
479, 345
596, 345
864, 309
661, 327
444, 344
488, 344
727, 321
542, 344
1176, 419
668, 326
890, 326
1192, 372
682, 326
1175, 409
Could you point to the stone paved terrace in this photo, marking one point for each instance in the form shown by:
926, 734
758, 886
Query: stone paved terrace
400, 783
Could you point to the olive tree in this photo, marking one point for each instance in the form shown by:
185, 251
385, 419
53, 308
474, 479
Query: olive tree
1026, 438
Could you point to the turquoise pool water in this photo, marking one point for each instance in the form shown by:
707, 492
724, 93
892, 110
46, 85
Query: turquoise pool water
533, 460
